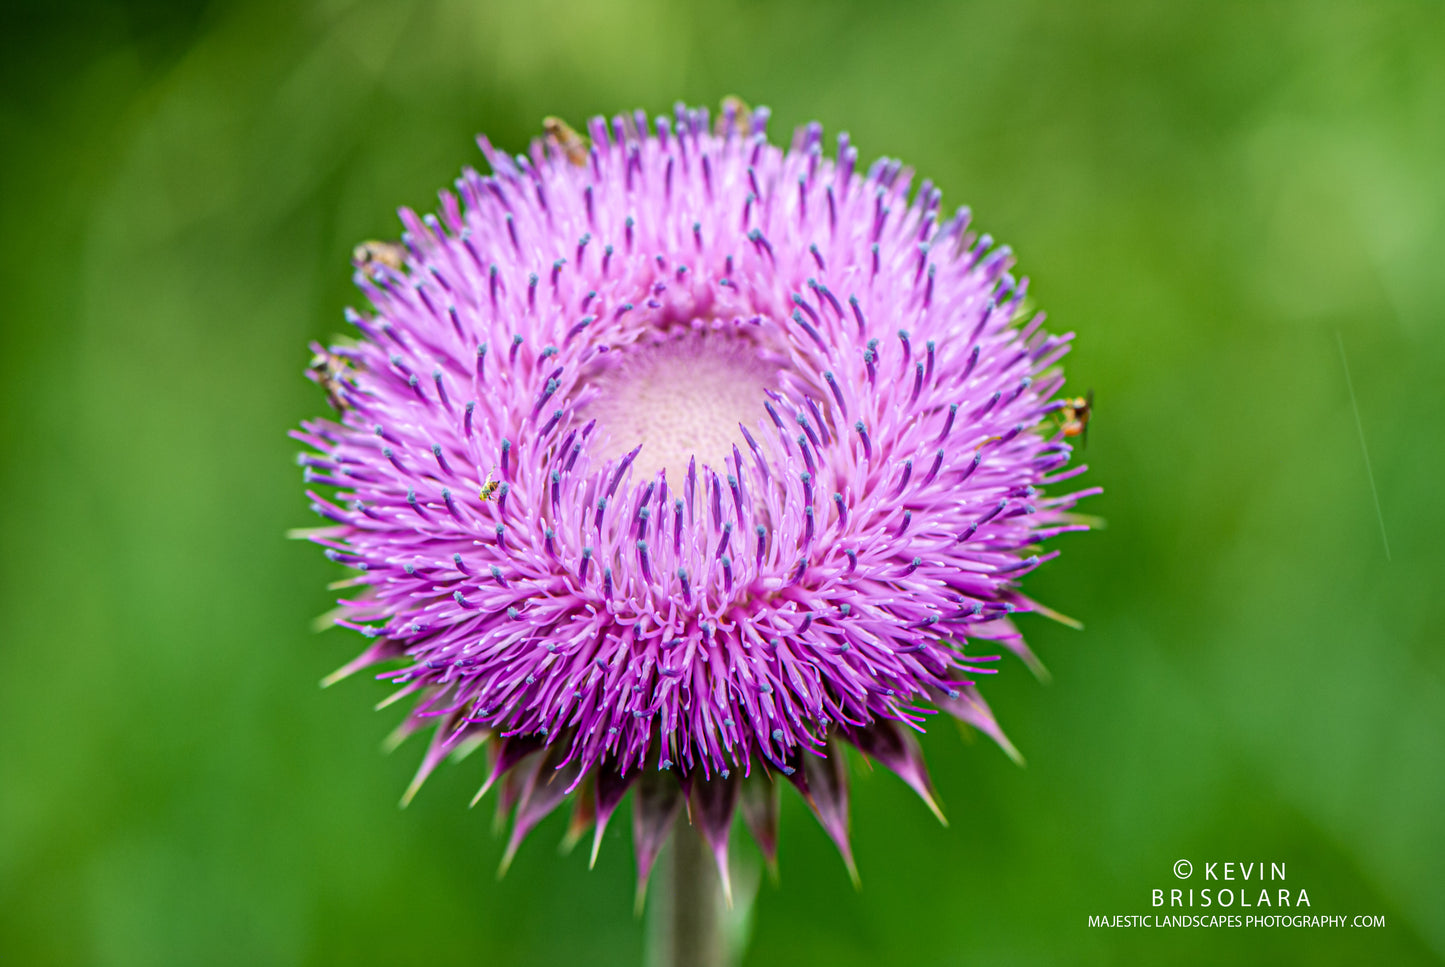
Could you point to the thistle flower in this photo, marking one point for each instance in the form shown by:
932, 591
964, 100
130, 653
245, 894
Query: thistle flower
667, 458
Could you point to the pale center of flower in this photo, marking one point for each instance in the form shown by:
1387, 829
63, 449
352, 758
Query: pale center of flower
680, 395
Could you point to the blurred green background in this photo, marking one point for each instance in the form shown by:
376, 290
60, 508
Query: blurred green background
1219, 198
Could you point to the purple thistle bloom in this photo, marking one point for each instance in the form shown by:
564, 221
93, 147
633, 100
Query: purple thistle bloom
677, 460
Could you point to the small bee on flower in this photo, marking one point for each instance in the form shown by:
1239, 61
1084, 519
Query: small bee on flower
334, 374
572, 145
1076, 413
489, 487
369, 255
735, 115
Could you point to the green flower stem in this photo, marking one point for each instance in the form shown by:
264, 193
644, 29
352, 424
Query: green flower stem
688, 930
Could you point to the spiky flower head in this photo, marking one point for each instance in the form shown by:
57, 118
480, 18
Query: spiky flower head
670, 458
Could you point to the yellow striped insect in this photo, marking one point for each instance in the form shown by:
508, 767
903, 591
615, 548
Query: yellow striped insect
1076, 413
335, 375
572, 145
489, 487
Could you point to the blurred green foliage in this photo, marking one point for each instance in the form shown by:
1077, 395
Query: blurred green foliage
1219, 198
